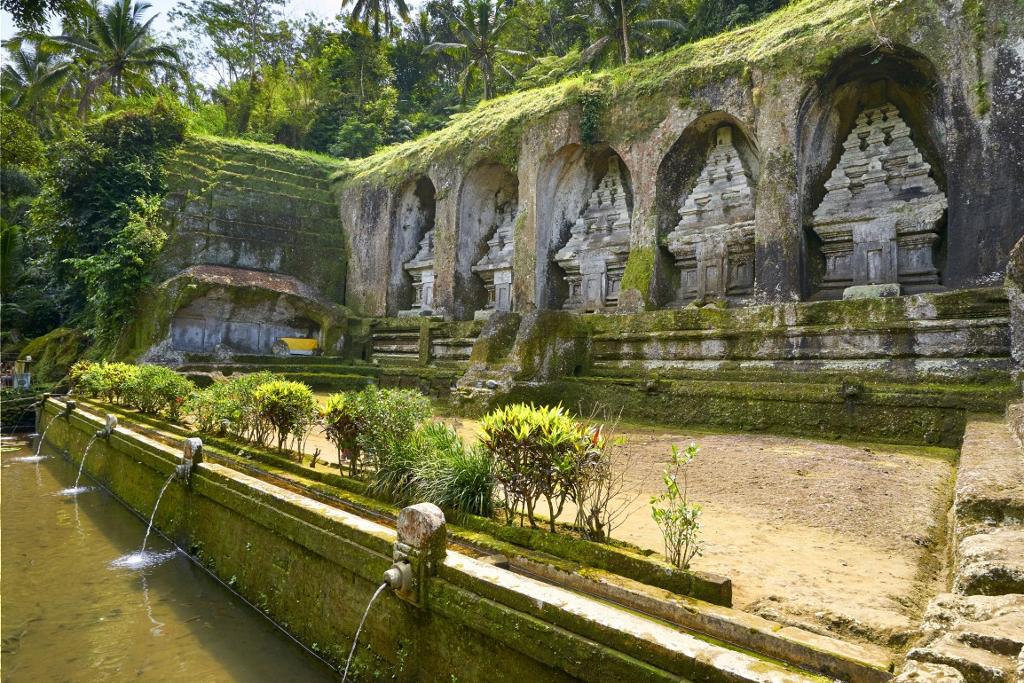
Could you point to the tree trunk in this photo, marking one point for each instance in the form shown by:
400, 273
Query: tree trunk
625, 31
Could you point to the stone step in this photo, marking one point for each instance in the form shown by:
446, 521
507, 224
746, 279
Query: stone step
976, 664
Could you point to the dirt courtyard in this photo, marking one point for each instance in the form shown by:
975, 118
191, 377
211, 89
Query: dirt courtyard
837, 538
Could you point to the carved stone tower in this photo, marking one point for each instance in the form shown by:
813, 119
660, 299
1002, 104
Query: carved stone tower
421, 268
879, 220
713, 243
594, 257
495, 268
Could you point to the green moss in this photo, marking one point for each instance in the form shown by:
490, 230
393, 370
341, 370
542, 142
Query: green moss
639, 273
789, 42
53, 354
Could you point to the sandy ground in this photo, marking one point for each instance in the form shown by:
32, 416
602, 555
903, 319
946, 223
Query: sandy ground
837, 538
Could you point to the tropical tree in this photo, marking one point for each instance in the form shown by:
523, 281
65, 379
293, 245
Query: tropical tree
29, 75
119, 49
617, 22
378, 13
478, 31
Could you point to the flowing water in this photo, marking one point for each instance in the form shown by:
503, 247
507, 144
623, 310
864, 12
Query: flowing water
68, 615
81, 465
355, 640
140, 559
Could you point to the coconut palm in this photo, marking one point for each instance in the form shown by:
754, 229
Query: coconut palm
29, 75
119, 48
479, 29
617, 22
378, 13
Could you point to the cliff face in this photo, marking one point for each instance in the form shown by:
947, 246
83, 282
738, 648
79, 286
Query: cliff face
790, 88
254, 207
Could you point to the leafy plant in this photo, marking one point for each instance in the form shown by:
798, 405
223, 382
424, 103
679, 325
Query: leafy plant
287, 406
537, 454
450, 474
155, 389
387, 419
676, 517
339, 417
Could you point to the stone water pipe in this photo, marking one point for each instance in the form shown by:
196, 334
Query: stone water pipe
420, 548
110, 424
69, 407
191, 455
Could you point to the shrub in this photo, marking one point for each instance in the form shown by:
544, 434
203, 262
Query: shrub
156, 389
450, 474
289, 407
537, 456
339, 417
387, 419
675, 515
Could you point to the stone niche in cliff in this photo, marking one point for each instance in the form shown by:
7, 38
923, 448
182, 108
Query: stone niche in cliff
411, 286
495, 268
488, 203
421, 269
594, 257
713, 243
878, 222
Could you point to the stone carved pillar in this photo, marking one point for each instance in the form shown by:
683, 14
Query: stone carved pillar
879, 219
594, 257
713, 243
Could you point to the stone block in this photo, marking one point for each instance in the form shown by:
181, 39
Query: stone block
991, 563
871, 291
926, 672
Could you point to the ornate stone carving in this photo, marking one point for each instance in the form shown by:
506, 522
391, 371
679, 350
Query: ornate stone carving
879, 220
713, 243
594, 257
495, 268
421, 268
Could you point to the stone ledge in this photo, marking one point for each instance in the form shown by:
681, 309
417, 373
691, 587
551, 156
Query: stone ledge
990, 482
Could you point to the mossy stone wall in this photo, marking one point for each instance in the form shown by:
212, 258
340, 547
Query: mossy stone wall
235, 204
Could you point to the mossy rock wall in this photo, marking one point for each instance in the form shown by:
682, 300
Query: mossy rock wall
791, 83
237, 204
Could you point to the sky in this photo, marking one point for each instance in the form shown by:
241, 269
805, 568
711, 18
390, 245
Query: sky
293, 9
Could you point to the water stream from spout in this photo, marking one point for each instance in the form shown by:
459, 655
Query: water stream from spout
355, 641
42, 439
81, 465
153, 516
140, 560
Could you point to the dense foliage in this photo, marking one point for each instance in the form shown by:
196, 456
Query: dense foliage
91, 110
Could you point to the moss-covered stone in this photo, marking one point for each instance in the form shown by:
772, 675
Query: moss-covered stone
53, 354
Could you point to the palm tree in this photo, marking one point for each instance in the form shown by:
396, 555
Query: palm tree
378, 12
479, 29
118, 48
30, 74
616, 20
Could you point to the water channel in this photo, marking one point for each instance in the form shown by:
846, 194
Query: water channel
70, 613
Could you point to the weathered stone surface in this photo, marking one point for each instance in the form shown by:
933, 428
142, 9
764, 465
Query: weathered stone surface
594, 258
420, 525
878, 220
990, 483
495, 268
991, 563
421, 269
871, 291
713, 243
926, 672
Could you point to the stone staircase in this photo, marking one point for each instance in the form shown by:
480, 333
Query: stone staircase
976, 633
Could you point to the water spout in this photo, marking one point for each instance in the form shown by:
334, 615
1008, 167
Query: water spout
355, 641
42, 439
153, 515
81, 466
